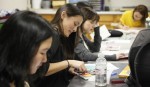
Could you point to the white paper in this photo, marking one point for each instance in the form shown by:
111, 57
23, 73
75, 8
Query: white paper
125, 52
115, 45
110, 69
129, 34
104, 32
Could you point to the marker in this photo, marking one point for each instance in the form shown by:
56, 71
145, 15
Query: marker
113, 74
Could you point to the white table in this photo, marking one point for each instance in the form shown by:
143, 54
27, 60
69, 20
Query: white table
113, 45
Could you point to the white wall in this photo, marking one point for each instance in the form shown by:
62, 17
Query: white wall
115, 4
13, 4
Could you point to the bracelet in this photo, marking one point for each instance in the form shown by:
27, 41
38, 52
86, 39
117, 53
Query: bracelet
68, 63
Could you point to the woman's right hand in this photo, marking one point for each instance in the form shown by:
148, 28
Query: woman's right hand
79, 65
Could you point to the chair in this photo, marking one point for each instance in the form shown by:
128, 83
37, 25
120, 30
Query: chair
142, 66
140, 40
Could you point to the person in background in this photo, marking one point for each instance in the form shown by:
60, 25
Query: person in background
61, 55
80, 5
114, 33
135, 18
24, 41
87, 50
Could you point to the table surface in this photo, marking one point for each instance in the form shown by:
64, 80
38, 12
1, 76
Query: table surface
125, 43
79, 82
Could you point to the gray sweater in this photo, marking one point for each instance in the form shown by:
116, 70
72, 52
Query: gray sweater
90, 54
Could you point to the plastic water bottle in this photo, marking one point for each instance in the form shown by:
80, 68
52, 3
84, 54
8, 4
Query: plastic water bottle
101, 71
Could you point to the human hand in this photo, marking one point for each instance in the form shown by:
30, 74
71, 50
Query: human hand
121, 56
79, 65
73, 70
125, 27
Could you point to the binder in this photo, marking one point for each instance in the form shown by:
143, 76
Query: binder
125, 72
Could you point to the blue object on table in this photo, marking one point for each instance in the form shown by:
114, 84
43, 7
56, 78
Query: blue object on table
113, 74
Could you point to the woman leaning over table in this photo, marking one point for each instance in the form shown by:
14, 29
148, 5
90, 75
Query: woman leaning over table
135, 18
24, 41
61, 55
87, 50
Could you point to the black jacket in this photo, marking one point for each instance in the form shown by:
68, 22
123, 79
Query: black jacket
55, 54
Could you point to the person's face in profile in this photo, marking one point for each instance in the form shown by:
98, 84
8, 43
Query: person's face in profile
88, 26
137, 16
70, 24
41, 56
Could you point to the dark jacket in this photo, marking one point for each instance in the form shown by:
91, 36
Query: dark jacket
56, 54
4, 82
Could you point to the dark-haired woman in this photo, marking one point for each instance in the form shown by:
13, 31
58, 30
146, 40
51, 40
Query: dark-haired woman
61, 55
87, 50
24, 41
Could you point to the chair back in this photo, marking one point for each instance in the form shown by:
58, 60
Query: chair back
142, 66
142, 38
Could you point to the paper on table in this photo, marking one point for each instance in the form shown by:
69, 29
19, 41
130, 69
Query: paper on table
125, 52
110, 68
129, 33
104, 33
115, 45
130, 30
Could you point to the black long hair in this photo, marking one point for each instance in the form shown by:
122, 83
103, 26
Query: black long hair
68, 43
20, 38
89, 14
